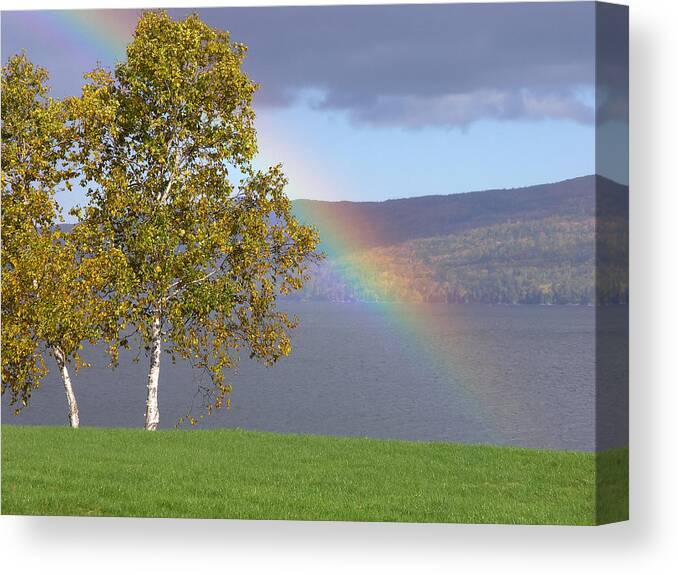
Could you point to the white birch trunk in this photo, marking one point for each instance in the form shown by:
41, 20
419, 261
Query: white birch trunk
152, 412
73, 414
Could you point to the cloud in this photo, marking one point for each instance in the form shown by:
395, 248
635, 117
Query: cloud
463, 109
423, 65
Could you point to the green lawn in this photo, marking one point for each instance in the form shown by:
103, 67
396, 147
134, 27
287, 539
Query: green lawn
255, 475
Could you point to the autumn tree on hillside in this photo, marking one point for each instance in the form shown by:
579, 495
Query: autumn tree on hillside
52, 298
167, 142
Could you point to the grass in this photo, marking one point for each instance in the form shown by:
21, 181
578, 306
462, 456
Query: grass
256, 475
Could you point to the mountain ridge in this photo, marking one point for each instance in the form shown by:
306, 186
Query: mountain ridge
393, 221
467, 192
559, 243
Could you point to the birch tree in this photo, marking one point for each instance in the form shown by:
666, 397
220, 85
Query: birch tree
53, 299
168, 140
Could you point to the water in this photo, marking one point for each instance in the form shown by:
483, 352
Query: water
518, 375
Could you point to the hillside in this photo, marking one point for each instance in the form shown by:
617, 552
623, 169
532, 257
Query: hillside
395, 221
538, 244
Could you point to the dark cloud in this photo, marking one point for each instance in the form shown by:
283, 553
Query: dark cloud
418, 65
612, 63
411, 65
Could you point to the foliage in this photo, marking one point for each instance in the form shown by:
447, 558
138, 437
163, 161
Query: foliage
167, 142
379, 224
551, 260
564, 243
51, 297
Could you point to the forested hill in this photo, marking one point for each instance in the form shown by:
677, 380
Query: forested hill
537, 244
395, 221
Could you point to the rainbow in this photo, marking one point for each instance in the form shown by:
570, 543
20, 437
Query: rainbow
422, 330
105, 34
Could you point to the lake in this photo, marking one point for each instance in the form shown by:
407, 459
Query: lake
513, 375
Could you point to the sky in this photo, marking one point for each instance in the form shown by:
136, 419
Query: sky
367, 103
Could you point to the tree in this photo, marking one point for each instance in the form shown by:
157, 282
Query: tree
167, 143
51, 297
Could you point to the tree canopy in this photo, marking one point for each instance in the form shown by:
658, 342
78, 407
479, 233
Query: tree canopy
53, 298
166, 143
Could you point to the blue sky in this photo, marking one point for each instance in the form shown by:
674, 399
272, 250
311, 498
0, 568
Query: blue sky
368, 163
378, 102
